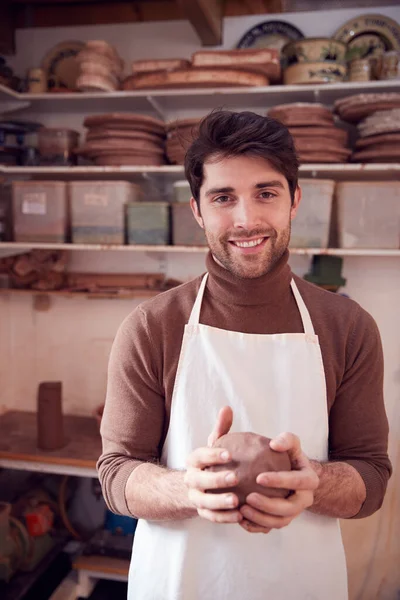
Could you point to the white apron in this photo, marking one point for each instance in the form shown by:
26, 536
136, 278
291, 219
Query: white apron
273, 383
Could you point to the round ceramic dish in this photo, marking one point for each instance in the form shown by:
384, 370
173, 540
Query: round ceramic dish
314, 50
314, 72
270, 34
358, 31
60, 65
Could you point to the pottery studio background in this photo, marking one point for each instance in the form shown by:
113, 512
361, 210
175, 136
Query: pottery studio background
67, 337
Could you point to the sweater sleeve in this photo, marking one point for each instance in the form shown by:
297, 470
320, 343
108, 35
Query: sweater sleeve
134, 412
358, 426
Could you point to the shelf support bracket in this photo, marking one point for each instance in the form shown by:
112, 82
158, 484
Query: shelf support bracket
156, 106
206, 18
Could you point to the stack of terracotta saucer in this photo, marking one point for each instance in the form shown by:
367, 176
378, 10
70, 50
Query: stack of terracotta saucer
317, 138
180, 135
379, 137
124, 139
378, 123
355, 108
100, 68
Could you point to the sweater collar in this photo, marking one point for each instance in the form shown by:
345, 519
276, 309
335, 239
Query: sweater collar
231, 289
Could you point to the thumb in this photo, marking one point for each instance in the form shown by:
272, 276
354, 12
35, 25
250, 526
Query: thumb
222, 425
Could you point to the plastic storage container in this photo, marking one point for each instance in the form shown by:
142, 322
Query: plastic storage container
40, 211
56, 146
368, 214
310, 227
148, 223
182, 192
185, 230
98, 211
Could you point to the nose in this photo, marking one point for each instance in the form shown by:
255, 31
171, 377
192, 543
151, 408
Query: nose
246, 215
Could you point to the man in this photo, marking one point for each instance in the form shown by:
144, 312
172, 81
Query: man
237, 349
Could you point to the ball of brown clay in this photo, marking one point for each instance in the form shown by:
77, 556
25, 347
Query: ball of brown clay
251, 455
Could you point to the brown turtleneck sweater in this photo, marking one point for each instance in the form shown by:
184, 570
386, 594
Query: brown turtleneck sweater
145, 354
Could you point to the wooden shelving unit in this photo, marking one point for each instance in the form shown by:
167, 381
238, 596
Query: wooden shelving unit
18, 445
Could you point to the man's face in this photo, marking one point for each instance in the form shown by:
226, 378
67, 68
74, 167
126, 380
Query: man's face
246, 212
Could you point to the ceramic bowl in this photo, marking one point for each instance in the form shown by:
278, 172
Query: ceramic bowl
314, 50
314, 72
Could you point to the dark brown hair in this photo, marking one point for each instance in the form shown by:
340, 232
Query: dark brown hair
224, 133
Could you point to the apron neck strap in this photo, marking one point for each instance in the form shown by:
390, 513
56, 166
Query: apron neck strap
305, 315
195, 314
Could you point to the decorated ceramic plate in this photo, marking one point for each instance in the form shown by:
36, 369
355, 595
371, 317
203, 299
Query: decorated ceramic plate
371, 34
270, 34
60, 65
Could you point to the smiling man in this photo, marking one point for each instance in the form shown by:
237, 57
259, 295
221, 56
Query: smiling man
246, 347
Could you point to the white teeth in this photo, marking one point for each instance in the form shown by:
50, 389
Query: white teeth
249, 244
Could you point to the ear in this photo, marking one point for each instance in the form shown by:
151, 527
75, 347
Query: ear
196, 213
296, 202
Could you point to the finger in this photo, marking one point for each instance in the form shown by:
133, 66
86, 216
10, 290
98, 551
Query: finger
290, 480
262, 519
223, 516
206, 457
222, 425
202, 500
251, 528
291, 507
288, 442
208, 480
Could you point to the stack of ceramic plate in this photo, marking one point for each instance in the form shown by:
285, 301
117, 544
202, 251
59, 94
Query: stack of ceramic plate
379, 137
180, 135
100, 68
378, 123
124, 139
355, 108
316, 137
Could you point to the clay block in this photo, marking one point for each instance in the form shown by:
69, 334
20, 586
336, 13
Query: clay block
251, 455
50, 428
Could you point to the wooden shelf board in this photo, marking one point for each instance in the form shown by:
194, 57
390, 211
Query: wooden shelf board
102, 566
167, 101
18, 449
124, 295
342, 171
102, 247
12, 246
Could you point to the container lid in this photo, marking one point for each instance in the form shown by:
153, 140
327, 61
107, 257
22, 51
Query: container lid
56, 130
41, 183
101, 182
181, 184
145, 204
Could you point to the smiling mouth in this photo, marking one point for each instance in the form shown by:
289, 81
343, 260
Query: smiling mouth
248, 243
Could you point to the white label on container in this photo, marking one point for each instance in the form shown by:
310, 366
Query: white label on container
34, 204
95, 200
